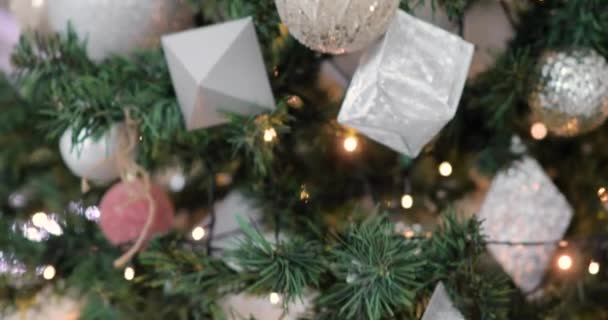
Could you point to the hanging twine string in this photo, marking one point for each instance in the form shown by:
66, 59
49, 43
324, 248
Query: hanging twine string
130, 171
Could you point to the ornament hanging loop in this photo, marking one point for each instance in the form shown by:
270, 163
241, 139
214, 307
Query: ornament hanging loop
129, 170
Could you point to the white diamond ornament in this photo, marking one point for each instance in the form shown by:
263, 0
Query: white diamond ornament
441, 307
523, 205
408, 85
216, 70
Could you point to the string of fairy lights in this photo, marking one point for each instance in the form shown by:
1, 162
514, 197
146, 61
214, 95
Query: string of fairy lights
42, 224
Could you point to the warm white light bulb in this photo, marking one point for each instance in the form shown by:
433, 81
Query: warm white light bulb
49, 272
37, 3
129, 273
177, 182
275, 298
350, 144
409, 234
198, 233
602, 193
538, 131
33, 234
53, 228
270, 134
223, 179
594, 267
407, 201
40, 219
445, 169
564, 262
304, 195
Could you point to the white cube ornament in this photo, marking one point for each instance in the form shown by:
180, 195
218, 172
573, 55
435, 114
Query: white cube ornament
216, 70
441, 307
408, 85
524, 206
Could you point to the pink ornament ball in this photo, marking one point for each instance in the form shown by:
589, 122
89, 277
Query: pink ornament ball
124, 212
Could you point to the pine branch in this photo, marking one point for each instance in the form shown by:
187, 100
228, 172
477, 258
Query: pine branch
288, 267
246, 135
58, 78
186, 273
375, 274
453, 253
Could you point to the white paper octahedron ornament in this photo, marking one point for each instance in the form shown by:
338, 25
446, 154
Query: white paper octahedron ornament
95, 159
216, 70
441, 307
337, 26
408, 85
524, 206
118, 27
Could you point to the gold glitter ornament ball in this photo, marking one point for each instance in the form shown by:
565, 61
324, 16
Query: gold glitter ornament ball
337, 26
571, 96
119, 26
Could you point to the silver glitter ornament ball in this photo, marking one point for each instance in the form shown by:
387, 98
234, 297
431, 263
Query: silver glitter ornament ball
571, 96
119, 26
337, 26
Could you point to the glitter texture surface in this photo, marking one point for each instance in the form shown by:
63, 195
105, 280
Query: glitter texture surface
572, 94
337, 26
407, 86
441, 307
523, 205
118, 27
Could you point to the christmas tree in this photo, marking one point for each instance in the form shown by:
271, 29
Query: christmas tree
287, 159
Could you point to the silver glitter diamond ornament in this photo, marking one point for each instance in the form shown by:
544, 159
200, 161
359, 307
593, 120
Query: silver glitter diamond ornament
571, 96
524, 206
408, 85
441, 307
119, 26
337, 26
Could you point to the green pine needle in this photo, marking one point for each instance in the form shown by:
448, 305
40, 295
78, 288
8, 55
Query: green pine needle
287, 267
376, 273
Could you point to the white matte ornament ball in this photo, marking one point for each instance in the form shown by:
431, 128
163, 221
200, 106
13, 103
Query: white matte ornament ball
119, 27
571, 96
337, 26
94, 159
